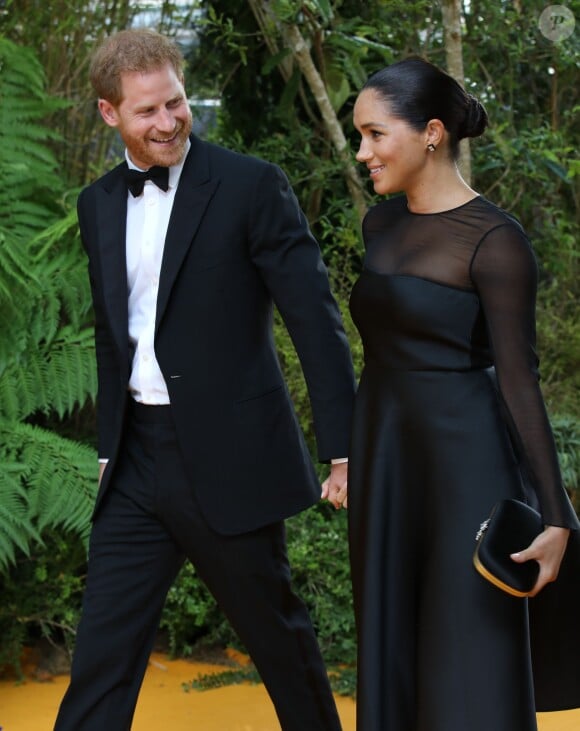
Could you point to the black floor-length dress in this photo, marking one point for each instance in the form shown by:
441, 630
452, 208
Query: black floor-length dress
447, 413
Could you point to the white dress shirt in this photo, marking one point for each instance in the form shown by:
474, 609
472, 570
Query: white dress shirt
147, 221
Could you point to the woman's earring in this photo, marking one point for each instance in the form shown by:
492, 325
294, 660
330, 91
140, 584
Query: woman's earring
431, 147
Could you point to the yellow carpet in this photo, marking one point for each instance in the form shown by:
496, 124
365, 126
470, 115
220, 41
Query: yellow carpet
163, 704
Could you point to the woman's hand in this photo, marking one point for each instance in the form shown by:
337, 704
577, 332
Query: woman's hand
548, 550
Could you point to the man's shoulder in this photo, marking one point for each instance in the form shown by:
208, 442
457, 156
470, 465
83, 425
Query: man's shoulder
107, 180
228, 157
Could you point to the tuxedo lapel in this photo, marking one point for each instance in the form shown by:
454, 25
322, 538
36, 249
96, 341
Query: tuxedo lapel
111, 207
194, 192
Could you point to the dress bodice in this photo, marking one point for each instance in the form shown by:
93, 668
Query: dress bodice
418, 303
410, 323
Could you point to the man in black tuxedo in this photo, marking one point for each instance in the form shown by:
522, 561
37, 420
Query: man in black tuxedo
201, 454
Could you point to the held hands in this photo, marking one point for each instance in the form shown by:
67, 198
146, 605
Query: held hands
548, 550
334, 488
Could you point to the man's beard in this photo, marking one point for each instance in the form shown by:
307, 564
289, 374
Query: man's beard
149, 154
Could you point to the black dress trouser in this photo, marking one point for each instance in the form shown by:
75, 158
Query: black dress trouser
147, 525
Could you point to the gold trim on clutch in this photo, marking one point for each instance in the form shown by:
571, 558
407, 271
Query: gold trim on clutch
495, 581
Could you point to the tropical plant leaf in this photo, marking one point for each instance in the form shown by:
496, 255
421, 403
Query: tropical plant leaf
16, 527
46, 481
46, 346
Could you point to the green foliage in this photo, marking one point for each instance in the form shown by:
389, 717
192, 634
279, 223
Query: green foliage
26, 163
45, 481
47, 369
559, 345
343, 680
318, 553
41, 596
191, 617
26, 166
567, 436
63, 33
54, 377
59, 475
16, 524
46, 352
212, 681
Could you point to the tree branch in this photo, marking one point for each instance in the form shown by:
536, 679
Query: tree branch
294, 41
451, 12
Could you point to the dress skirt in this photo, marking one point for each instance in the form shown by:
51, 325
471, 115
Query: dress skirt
440, 649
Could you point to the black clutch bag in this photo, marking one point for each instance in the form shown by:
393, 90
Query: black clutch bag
511, 527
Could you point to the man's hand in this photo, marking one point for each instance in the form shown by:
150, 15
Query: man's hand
102, 466
334, 488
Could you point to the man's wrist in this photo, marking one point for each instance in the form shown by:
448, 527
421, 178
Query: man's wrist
339, 460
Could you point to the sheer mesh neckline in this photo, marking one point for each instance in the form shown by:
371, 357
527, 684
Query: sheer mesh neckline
447, 210
440, 247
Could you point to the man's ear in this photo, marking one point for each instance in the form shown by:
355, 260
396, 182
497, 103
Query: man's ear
108, 113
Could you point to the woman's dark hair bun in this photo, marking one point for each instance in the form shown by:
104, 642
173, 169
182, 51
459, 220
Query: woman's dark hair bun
475, 120
418, 91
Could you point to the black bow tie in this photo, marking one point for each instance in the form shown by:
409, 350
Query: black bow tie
136, 179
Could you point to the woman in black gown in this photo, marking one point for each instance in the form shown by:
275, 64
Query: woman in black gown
448, 412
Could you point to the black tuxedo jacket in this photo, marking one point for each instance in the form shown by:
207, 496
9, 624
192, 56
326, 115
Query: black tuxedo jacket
237, 242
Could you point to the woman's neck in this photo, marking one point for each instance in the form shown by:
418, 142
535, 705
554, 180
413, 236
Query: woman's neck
443, 190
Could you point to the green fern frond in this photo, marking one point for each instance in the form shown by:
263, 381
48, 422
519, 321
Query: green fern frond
46, 481
29, 150
52, 236
14, 267
75, 293
27, 165
13, 338
22, 76
57, 249
43, 327
13, 398
25, 214
47, 360
61, 480
16, 527
19, 70
72, 372
55, 377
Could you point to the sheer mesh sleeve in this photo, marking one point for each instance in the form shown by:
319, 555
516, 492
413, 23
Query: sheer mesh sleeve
504, 272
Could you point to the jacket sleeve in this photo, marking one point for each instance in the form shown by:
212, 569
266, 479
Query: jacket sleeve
289, 260
108, 371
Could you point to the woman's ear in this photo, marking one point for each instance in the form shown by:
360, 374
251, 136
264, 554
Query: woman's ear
434, 133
